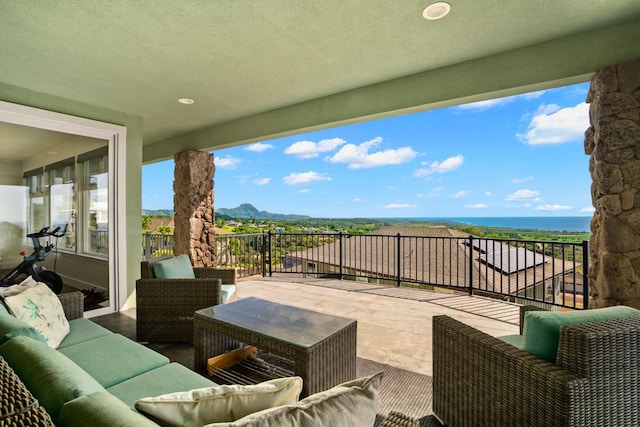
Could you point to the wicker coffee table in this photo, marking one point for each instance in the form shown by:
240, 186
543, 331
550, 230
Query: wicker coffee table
322, 347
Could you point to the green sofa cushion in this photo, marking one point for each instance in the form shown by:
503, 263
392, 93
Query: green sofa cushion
51, 377
11, 327
541, 331
166, 379
100, 409
113, 358
82, 330
174, 268
3, 308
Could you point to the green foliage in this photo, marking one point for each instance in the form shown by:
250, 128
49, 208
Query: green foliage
161, 252
146, 223
163, 229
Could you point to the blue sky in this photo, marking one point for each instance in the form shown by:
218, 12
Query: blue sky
514, 156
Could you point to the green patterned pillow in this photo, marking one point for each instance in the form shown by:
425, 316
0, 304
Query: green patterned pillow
40, 308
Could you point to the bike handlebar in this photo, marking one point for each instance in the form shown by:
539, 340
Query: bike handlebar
45, 232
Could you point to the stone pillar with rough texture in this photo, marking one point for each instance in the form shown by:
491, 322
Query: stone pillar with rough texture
613, 142
193, 207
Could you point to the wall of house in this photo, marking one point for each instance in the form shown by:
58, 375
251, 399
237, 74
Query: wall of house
79, 271
132, 172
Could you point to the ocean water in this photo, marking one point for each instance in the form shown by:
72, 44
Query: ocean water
551, 223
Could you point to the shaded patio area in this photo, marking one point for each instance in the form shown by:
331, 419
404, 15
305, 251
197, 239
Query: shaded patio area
394, 324
394, 329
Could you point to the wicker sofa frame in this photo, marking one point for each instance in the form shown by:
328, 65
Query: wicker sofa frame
165, 307
481, 380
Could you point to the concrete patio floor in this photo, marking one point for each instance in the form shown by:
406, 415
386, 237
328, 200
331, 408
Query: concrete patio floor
394, 324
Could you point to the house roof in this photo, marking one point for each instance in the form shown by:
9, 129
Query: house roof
261, 69
432, 255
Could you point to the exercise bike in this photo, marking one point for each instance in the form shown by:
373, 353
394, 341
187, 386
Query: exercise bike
28, 265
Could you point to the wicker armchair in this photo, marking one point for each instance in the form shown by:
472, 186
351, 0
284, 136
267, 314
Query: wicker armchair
479, 380
165, 307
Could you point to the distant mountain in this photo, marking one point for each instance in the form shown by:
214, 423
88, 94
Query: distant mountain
157, 212
247, 210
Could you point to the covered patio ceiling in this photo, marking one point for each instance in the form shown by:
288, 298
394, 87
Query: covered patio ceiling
262, 69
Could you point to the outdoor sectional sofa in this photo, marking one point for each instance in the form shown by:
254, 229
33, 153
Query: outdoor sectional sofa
94, 378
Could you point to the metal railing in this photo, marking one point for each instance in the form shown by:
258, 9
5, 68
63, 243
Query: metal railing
524, 271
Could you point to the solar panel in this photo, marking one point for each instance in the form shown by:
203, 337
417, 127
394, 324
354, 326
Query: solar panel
489, 246
510, 260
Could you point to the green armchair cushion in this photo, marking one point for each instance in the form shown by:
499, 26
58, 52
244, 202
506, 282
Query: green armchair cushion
51, 377
174, 268
541, 331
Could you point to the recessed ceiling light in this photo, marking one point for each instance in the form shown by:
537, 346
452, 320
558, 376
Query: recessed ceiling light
186, 101
436, 10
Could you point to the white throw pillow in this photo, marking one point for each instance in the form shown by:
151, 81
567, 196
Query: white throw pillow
36, 305
220, 403
353, 404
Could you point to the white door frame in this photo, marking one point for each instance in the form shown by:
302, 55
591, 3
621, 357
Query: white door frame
117, 139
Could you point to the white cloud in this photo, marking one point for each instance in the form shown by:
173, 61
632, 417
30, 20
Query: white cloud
398, 206
477, 206
305, 178
523, 195
554, 125
498, 102
227, 162
460, 194
310, 149
447, 165
485, 105
356, 200
521, 180
533, 95
436, 192
259, 147
358, 156
553, 208
304, 191
261, 181
488, 194
588, 209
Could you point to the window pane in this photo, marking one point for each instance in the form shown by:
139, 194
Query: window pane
37, 211
13, 222
96, 205
63, 204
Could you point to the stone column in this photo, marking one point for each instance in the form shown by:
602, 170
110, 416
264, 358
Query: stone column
193, 206
613, 142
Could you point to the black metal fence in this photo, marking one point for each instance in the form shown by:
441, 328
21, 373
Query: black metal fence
522, 271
